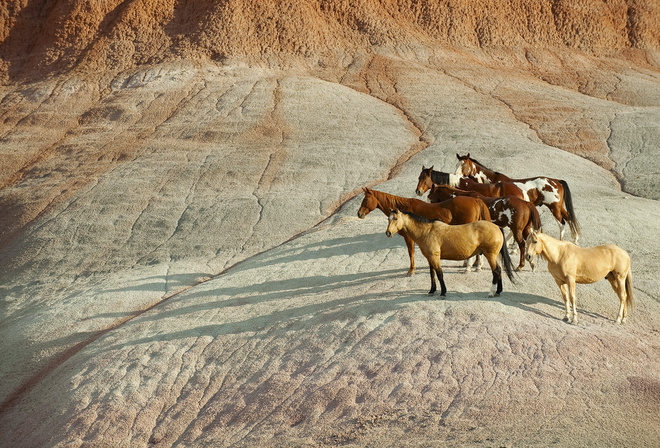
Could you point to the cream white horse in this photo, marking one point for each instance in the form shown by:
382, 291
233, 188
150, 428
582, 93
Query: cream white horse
438, 240
570, 264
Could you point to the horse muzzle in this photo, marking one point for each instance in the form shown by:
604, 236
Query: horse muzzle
419, 192
388, 233
529, 258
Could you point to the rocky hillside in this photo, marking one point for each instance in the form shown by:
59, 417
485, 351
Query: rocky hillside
180, 259
44, 36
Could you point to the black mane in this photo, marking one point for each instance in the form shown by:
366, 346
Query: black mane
438, 177
420, 218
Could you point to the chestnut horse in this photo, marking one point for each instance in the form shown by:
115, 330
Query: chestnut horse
518, 215
570, 264
453, 211
553, 193
439, 241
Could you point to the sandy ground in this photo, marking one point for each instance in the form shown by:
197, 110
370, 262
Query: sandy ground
182, 264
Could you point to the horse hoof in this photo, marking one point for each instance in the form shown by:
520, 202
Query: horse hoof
410, 273
565, 319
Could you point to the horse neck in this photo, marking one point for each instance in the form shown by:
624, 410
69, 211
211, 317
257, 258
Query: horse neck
440, 178
388, 202
482, 170
552, 248
415, 228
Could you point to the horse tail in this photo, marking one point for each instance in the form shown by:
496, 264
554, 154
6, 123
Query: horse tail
629, 291
534, 216
568, 203
485, 213
506, 259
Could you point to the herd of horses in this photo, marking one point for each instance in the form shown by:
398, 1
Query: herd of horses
465, 217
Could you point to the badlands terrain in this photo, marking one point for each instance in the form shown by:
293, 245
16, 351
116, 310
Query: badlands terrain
181, 261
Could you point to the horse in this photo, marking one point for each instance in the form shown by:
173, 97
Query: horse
518, 215
439, 241
570, 264
429, 177
452, 211
553, 193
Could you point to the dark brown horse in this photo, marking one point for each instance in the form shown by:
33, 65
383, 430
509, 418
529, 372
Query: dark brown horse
520, 216
553, 193
461, 210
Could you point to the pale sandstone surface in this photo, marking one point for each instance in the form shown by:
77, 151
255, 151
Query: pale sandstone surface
180, 259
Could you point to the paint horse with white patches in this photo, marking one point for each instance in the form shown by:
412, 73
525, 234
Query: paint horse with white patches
553, 193
440, 241
570, 264
518, 215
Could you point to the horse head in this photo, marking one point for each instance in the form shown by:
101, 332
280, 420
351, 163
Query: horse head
424, 181
466, 166
394, 223
533, 245
369, 203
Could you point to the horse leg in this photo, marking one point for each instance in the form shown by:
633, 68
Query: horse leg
496, 285
557, 213
563, 287
571, 292
437, 270
521, 248
410, 244
619, 287
525, 234
468, 263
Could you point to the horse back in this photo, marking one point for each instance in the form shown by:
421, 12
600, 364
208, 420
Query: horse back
458, 242
591, 264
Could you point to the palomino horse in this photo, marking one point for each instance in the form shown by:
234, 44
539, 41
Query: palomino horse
453, 211
439, 241
520, 216
570, 264
553, 193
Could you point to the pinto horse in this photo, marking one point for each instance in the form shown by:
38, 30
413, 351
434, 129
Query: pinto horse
553, 193
439, 241
520, 216
570, 264
453, 211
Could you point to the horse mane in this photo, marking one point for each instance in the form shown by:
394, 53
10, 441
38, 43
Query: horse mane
438, 177
481, 165
420, 218
394, 202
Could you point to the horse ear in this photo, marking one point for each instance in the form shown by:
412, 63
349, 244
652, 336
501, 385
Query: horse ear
467, 156
458, 157
365, 190
431, 169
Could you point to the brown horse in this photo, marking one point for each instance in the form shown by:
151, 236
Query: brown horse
428, 177
553, 193
520, 216
570, 264
439, 241
453, 211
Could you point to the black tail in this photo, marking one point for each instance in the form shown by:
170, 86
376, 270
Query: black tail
568, 203
506, 259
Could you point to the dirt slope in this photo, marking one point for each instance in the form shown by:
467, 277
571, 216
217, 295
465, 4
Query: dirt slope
180, 260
